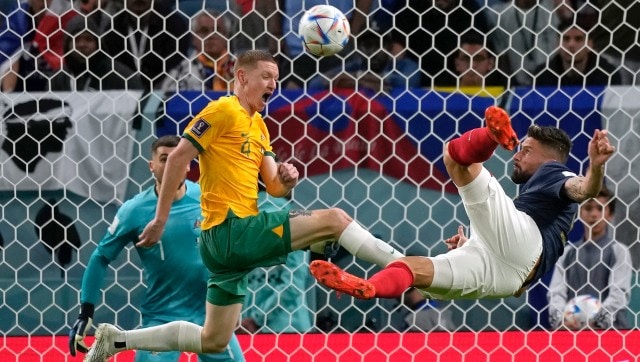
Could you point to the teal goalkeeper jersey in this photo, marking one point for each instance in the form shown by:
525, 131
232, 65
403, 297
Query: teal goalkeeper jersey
175, 277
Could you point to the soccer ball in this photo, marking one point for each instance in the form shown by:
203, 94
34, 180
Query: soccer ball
581, 309
324, 30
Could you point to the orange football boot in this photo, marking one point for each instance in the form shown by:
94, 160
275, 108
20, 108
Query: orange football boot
499, 123
331, 276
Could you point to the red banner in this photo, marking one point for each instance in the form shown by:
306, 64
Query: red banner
614, 346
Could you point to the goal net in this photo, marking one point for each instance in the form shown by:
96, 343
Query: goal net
365, 128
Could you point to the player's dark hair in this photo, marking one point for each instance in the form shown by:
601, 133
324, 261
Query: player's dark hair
252, 57
554, 138
165, 141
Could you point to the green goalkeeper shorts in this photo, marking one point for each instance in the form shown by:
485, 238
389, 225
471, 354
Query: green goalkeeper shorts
237, 246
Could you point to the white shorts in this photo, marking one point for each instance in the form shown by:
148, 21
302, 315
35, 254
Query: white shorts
503, 247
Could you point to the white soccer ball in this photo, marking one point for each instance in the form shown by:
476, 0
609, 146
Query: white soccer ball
324, 30
581, 309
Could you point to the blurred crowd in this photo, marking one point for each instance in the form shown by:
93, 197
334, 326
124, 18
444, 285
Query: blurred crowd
171, 45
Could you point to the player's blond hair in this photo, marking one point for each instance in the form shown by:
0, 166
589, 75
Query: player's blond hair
250, 58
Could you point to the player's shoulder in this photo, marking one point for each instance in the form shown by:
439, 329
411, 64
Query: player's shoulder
223, 104
193, 190
555, 168
145, 199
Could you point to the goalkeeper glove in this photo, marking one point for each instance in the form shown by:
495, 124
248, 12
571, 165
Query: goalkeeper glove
80, 329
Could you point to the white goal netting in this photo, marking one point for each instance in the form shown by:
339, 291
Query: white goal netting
365, 128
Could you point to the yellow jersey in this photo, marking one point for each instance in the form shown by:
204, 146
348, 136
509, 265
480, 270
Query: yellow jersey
232, 145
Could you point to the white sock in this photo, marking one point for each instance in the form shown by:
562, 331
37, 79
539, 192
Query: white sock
362, 244
174, 336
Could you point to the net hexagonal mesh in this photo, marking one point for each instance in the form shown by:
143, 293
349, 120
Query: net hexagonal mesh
366, 129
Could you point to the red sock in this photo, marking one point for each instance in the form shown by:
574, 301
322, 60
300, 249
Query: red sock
473, 146
393, 280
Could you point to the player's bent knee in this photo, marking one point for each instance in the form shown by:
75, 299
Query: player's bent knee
422, 268
214, 343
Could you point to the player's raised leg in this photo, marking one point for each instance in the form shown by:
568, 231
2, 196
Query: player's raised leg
463, 155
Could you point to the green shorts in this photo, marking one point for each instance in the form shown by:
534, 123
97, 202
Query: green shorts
237, 246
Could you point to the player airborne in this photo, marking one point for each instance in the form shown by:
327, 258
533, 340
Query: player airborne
512, 242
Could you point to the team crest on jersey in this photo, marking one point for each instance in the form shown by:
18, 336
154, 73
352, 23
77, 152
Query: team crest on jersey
197, 223
200, 127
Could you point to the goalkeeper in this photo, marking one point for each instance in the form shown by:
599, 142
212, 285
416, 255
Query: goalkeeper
173, 270
513, 243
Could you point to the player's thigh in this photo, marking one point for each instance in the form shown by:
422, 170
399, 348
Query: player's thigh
308, 227
219, 324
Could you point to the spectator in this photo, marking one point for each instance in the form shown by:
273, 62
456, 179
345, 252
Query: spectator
49, 37
20, 66
524, 34
433, 30
86, 67
379, 64
597, 265
210, 66
148, 40
475, 67
18, 28
276, 300
575, 62
617, 31
425, 315
100, 11
260, 23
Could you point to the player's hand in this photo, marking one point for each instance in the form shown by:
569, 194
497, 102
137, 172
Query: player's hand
151, 234
288, 174
80, 328
457, 240
600, 149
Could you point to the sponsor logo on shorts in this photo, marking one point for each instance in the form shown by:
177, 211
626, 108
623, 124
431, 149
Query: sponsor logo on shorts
200, 127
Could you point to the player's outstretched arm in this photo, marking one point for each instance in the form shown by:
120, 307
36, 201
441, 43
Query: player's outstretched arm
600, 150
175, 172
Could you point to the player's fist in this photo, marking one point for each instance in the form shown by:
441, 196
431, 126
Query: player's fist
80, 328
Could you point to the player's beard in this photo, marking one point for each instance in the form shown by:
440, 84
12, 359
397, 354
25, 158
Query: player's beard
518, 177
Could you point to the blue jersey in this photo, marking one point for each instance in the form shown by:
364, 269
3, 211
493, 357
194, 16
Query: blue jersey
544, 199
174, 274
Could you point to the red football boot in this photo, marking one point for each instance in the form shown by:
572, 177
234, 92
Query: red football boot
333, 277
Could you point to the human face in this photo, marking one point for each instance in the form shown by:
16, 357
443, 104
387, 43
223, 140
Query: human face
210, 37
158, 163
528, 159
594, 214
473, 63
574, 48
254, 85
86, 44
